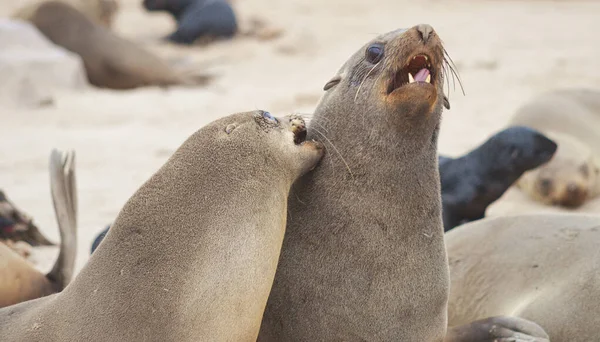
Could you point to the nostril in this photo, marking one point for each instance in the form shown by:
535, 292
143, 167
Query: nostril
572, 189
425, 30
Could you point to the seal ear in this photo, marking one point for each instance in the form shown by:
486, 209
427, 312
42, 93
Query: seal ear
446, 102
332, 82
230, 128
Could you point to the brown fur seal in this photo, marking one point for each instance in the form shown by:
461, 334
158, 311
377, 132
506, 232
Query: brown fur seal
192, 254
110, 61
571, 117
102, 12
544, 268
19, 280
363, 258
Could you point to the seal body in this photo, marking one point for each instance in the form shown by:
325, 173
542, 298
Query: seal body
101, 12
197, 18
544, 268
474, 181
363, 256
571, 117
110, 61
192, 254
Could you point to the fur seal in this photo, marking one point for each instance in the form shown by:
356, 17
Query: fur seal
110, 61
17, 226
192, 254
544, 268
363, 257
571, 117
472, 182
197, 19
102, 12
19, 280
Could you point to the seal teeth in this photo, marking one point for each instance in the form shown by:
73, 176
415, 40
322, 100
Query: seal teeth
428, 79
411, 79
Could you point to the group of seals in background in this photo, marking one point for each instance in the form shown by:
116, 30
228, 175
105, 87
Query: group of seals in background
110, 61
197, 244
19, 280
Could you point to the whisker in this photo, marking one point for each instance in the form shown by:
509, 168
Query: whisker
337, 151
364, 79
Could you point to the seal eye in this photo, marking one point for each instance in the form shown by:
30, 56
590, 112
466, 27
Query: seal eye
269, 117
374, 53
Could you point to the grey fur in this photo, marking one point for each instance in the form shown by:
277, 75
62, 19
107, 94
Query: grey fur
192, 254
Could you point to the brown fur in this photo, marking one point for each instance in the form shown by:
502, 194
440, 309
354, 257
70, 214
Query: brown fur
102, 12
110, 61
363, 256
544, 268
571, 117
19, 280
192, 254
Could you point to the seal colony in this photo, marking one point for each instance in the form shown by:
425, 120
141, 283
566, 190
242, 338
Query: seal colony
472, 182
363, 256
192, 254
571, 117
542, 268
19, 280
110, 61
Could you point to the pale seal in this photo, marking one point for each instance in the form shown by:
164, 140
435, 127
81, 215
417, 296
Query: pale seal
101, 12
363, 258
110, 61
192, 254
472, 182
544, 268
571, 117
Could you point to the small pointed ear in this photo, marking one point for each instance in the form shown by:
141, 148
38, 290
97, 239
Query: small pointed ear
335, 80
446, 102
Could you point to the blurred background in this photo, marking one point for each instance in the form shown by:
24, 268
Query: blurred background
506, 52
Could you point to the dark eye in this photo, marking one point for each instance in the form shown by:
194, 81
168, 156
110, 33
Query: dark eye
374, 53
269, 117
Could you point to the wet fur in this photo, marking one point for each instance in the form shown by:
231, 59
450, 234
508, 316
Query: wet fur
110, 61
543, 268
571, 117
474, 181
192, 254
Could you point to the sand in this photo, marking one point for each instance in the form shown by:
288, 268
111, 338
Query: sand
505, 51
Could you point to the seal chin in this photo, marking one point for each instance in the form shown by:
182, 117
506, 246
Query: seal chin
418, 72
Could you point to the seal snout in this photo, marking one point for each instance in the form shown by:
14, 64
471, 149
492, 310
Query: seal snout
418, 70
298, 127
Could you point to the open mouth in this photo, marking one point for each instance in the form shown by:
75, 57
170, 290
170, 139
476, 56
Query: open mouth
418, 70
299, 133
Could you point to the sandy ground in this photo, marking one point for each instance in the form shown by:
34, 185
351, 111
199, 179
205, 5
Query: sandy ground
505, 51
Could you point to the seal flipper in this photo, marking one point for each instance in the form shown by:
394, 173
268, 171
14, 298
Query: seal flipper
497, 329
64, 197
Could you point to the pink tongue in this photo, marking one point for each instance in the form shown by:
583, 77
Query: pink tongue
421, 75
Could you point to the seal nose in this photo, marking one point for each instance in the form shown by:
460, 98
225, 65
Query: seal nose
575, 196
425, 30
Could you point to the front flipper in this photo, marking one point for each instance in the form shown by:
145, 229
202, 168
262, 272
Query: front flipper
497, 329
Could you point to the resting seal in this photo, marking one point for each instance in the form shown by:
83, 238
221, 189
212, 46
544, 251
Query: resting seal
16, 226
110, 61
192, 254
101, 12
474, 181
363, 257
207, 19
544, 268
571, 117
19, 280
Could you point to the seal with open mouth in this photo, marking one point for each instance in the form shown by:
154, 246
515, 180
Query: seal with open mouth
363, 258
193, 253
